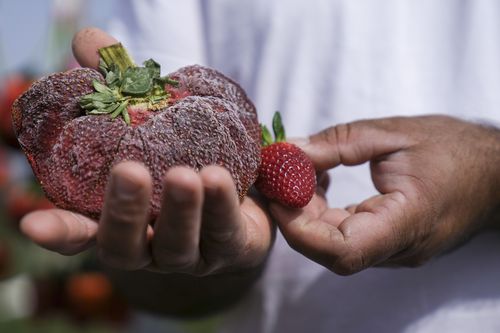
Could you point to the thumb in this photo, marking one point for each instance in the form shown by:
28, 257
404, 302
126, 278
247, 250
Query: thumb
353, 143
60, 230
86, 44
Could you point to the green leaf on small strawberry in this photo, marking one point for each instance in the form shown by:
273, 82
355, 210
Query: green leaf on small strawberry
278, 128
267, 137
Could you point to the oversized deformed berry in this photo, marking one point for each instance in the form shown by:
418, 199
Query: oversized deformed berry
75, 126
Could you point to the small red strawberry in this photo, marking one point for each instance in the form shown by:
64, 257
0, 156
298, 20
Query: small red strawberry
286, 174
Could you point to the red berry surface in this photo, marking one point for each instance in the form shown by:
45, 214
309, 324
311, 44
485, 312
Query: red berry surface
208, 121
286, 174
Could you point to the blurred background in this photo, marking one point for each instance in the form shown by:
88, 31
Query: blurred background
41, 291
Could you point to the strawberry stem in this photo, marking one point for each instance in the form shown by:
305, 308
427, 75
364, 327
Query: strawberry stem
116, 54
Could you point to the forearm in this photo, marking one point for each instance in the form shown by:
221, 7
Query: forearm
181, 295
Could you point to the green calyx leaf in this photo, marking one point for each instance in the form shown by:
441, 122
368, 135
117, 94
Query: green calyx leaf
278, 129
153, 68
137, 81
267, 137
126, 84
99, 87
114, 77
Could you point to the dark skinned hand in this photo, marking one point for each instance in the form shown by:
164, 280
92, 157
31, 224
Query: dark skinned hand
439, 183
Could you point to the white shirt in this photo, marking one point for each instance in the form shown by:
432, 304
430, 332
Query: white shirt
321, 62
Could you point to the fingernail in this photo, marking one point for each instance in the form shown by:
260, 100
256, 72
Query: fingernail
180, 195
125, 188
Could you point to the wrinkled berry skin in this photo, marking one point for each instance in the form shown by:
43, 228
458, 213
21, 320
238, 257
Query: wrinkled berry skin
209, 120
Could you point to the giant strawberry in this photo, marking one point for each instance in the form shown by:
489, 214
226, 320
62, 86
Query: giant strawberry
75, 126
286, 173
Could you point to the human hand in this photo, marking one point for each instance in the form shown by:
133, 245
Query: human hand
202, 227
438, 181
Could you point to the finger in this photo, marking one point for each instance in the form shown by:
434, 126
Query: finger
260, 230
177, 230
323, 180
122, 235
347, 244
86, 44
351, 208
59, 230
223, 232
352, 143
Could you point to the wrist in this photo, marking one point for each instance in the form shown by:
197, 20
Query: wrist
496, 214
493, 143
479, 148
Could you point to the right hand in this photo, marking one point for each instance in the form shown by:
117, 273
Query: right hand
438, 185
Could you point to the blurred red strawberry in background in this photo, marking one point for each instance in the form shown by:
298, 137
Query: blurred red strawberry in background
20, 200
11, 88
4, 167
91, 295
5, 260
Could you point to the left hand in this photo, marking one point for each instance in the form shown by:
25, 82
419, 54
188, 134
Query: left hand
438, 181
202, 229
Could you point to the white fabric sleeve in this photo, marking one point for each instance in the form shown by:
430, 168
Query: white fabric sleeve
170, 32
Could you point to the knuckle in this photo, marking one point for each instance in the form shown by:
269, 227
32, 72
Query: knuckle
120, 217
226, 246
219, 237
329, 135
124, 213
341, 135
119, 260
127, 206
366, 206
170, 260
